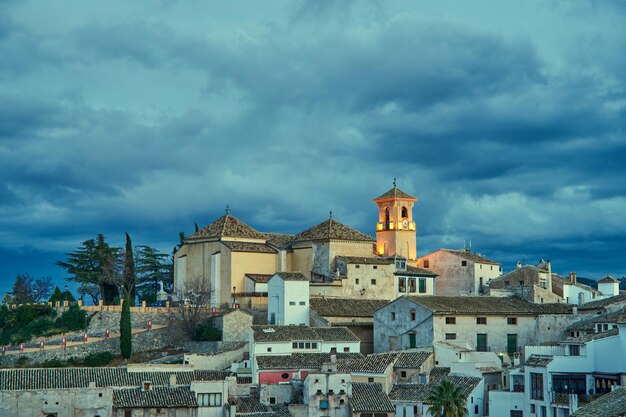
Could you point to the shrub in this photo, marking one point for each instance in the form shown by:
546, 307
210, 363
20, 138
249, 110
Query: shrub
38, 327
72, 319
29, 312
207, 333
54, 363
22, 361
98, 359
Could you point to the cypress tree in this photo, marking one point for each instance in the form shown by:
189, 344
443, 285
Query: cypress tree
126, 342
129, 270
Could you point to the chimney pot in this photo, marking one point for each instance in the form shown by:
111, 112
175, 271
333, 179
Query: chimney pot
572, 277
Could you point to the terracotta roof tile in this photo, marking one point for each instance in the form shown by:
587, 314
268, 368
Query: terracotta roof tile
331, 229
260, 278
395, 192
301, 360
288, 333
370, 397
227, 226
292, 276
419, 393
612, 404
366, 260
249, 247
158, 397
339, 307
474, 257
415, 271
538, 360
375, 363
609, 279
486, 305
592, 305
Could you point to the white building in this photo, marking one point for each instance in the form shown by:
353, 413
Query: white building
288, 299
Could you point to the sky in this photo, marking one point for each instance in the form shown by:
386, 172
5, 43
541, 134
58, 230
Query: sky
506, 119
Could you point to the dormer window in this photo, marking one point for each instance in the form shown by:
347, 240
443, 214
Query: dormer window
401, 264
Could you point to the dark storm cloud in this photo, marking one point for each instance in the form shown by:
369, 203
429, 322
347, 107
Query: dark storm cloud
148, 118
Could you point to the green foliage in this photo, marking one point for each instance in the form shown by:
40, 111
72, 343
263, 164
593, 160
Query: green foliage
21, 361
73, 319
61, 296
98, 359
152, 267
21, 324
126, 341
129, 269
447, 401
207, 333
54, 363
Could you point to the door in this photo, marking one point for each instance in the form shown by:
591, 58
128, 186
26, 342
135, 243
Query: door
412, 340
511, 344
481, 342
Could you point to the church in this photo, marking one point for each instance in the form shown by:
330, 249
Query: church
339, 261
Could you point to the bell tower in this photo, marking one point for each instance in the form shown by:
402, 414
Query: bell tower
395, 230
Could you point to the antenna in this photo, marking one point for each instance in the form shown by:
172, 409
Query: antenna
227, 209
331, 214
394, 182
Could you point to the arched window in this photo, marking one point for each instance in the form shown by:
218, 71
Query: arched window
386, 217
405, 213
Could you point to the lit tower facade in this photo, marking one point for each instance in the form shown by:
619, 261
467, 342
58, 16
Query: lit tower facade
395, 230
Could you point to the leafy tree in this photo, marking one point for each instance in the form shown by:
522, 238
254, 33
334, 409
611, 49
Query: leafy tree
21, 290
91, 290
447, 401
61, 296
95, 262
152, 267
126, 342
74, 319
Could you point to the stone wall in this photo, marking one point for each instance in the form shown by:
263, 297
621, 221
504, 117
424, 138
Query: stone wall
103, 320
156, 339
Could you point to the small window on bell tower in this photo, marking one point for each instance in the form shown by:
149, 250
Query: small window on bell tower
387, 218
405, 213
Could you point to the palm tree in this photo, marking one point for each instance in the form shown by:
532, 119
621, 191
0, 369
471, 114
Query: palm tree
447, 401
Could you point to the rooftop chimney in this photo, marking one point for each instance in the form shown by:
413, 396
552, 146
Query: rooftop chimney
572, 278
172, 380
333, 358
519, 265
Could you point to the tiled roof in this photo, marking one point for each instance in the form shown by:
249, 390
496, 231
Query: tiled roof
375, 363
227, 226
612, 404
251, 407
412, 359
64, 378
248, 247
278, 240
300, 360
292, 332
592, 305
339, 307
331, 229
419, 393
158, 397
366, 260
437, 373
415, 271
485, 305
589, 324
538, 360
474, 257
609, 279
395, 192
260, 278
292, 276
370, 397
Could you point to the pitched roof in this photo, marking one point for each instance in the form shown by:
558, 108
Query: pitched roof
375, 363
589, 323
592, 336
485, 305
538, 360
419, 393
157, 397
227, 226
65, 378
251, 407
474, 257
260, 278
339, 307
266, 334
417, 272
612, 404
279, 240
248, 247
370, 397
592, 305
412, 359
331, 229
609, 279
301, 360
366, 260
395, 192
292, 276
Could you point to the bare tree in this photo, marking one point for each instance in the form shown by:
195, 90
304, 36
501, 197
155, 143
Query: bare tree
194, 303
91, 290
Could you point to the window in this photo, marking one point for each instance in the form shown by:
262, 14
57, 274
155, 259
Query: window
411, 284
304, 345
511, 320
284, 375
302, 303
475, 409
402, 284
517, 413
521, 283
507, 283
375, 267
463, 263
393, 315
210, 400
269, 349
422, 285
569, 383
574, 350
405, 213
492, 267
357, 266
481, 320
450, 336
356, 281
373, 281
450, 320
481, 342
533, 408
412, 314
272, 400
292, 303
401, 264
127, 413
426, 263
536, 386
323, 404
402, 374
346, 349
370, 379
412, 340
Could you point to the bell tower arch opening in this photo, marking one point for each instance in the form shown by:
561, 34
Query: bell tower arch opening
395, 230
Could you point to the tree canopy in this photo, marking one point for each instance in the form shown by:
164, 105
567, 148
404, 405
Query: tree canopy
447, 401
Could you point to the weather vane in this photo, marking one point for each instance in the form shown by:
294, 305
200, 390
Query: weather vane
394, 182
227, 209
331, 214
